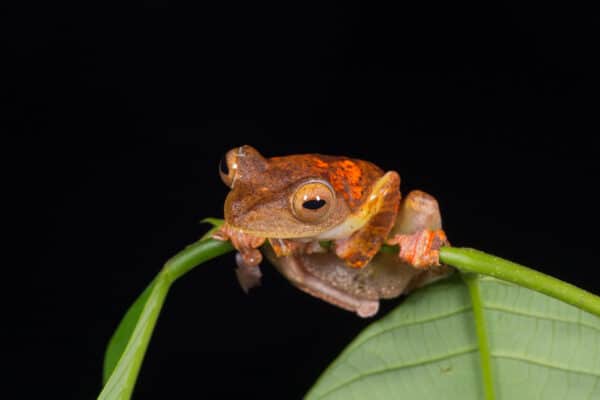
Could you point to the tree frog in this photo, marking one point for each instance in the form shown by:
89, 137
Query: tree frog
298, 202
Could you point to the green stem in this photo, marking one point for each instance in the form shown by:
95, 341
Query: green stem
128, 345
471, 260
194, 255
482, 336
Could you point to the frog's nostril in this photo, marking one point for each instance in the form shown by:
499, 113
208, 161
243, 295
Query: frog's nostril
223, 167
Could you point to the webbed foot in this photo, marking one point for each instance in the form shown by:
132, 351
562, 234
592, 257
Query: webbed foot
420, 249
418, 231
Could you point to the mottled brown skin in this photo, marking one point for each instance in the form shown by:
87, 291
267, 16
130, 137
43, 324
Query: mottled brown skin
361, 213
259, 203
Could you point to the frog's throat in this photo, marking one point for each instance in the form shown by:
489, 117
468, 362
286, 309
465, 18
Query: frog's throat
365, 212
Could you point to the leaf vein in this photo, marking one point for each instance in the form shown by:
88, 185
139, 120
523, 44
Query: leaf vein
458, 311
430, 360
543, 363
497, 307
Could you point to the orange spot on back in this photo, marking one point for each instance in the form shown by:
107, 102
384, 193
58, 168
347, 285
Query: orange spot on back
351, 171
346, 177
320, 163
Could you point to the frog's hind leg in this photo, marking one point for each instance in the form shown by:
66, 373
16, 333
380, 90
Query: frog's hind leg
381, 209
418, 231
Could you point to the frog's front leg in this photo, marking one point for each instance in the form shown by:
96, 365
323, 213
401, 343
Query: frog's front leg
246, 245
288, 247
380, 211
418, 231
248, 276
248, 257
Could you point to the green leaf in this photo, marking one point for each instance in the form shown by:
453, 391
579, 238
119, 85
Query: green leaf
430, 346
127, 347
119, 340
449, 341
122, 380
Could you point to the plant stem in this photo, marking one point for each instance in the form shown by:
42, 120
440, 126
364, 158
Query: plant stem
471, 260
482, 335
194, 255
130, 342
128, 345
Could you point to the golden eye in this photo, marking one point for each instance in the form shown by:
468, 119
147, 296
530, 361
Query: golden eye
312, 201
228, 168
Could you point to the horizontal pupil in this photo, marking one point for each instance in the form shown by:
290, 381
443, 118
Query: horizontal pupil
313, 204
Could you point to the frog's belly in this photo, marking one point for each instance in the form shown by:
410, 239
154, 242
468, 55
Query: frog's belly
384, 277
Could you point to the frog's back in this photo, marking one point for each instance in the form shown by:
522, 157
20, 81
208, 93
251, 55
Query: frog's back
350, 178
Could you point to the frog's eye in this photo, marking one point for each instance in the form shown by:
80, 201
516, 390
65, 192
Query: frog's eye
228, 168
312, 201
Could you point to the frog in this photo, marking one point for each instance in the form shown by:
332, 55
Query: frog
326, 217
386, 276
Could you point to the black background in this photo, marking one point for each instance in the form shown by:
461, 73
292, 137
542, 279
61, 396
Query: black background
115, 121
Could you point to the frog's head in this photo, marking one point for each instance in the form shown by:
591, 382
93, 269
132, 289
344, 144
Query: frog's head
281, 197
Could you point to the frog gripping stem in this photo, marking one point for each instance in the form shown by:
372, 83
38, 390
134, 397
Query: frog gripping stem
248, 257
247, 245
420, 249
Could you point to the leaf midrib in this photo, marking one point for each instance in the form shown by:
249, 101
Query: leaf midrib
483, 342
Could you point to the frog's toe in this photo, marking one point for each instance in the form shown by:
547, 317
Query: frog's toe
248, 257
420, 249
248, 276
